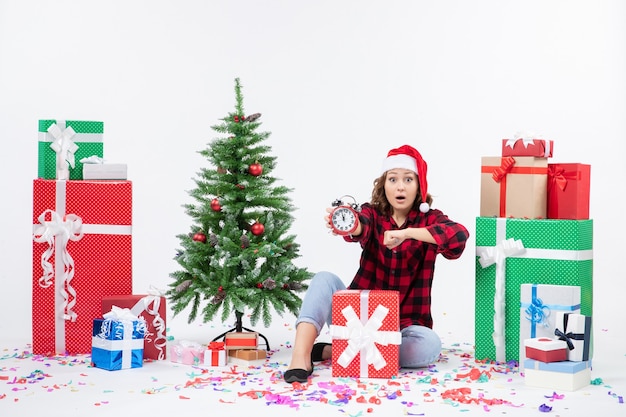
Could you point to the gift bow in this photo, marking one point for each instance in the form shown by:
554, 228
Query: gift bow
498, 254
557, 175
567, 337
525, 137
216, 346
537, 312
119, 313
363, 337
506, 164
63, 145
56, 233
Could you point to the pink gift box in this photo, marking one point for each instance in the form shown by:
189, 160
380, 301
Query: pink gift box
373, 316
545, 349
187, 352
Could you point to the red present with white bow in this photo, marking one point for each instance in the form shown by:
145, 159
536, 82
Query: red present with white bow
215, 354
366, 334
82, 252
524, 144
150, 307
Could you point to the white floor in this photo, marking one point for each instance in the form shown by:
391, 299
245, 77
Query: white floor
68, 386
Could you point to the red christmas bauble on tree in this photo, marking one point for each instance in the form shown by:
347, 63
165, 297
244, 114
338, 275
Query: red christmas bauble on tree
215, 205
199, 237
255, 169
257, 229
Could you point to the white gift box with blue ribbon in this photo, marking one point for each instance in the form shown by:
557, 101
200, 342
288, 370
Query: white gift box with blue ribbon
538, 310
118, 340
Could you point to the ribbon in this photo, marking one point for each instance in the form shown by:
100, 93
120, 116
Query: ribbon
506, 164
497, 255
569, 337
64, 147
57, 232
216, 346
363, 335
489, 255
538, 313
151, 305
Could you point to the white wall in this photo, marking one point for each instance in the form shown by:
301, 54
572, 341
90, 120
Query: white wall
338, 84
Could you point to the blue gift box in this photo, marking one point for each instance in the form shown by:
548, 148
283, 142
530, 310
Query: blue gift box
117, 344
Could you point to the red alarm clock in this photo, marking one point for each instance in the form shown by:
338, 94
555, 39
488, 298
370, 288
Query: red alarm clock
344, 218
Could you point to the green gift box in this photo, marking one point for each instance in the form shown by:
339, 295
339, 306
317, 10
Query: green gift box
511, 252
81, 138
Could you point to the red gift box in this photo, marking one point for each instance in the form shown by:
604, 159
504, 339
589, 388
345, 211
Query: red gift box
366, 334
545, 349
152, 309
513, 187
82, 252
540, 148
568, 191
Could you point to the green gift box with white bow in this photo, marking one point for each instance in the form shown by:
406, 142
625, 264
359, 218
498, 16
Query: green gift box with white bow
63, 143
511, 252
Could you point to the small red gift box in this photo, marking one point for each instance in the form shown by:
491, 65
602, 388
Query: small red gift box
568, 191
241, 340
545, 349
215, 355
82, 252
540, 148
366, 334
513, 187
152, 309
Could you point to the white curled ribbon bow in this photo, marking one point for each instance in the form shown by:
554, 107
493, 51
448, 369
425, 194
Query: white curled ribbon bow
56, 233
362, 338
151, 304
497, 255
63, 145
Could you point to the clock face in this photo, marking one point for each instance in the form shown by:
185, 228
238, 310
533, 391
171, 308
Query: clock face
343, 220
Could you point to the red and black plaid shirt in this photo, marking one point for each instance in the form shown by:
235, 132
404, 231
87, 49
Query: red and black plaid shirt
410, 267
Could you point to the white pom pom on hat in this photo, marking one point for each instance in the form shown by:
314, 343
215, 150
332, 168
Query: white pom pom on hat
407, 157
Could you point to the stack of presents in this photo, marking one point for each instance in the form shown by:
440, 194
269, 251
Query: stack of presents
82, 300
534, 265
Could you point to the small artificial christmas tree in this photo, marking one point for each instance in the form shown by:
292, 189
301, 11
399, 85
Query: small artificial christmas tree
239, 255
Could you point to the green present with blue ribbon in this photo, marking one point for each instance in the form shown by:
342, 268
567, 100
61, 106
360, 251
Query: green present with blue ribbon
62, 144
514, 251
118, 340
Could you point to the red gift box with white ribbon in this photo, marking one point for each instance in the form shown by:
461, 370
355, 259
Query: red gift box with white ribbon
150, 307
82, 252
366, 334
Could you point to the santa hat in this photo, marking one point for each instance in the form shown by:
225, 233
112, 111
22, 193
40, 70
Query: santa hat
407, 157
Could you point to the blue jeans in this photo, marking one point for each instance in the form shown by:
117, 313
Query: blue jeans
420, 345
